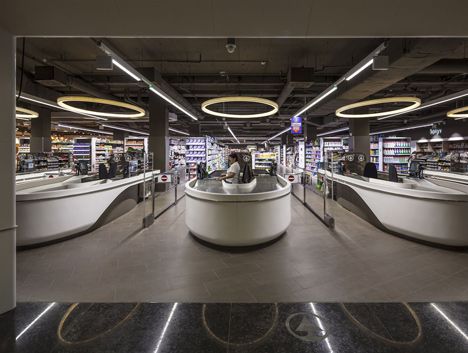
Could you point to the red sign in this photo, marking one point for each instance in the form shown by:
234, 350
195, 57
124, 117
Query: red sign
291, 178
164, 178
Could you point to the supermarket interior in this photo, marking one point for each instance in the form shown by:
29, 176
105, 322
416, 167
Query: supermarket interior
168, 186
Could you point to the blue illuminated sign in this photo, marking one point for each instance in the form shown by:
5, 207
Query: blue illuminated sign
296, 125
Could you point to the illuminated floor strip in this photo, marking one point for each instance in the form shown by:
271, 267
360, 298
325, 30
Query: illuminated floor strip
163, 333
319, 322
35, 320
454, 325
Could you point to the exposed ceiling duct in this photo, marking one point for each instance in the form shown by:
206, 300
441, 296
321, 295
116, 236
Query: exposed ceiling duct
406, 57
53, 77
298, 77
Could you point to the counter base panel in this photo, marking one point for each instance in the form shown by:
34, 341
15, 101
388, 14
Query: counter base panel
402, 221
31, 235
238, 223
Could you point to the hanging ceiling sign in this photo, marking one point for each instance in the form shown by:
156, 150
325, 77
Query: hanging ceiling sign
434, 131
296, 125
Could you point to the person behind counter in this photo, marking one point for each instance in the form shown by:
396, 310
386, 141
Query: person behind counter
232, 174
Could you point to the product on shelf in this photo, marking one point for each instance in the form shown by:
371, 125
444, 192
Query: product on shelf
177, 153
392, 150
84, 150
328, 144
136, 144
264, 160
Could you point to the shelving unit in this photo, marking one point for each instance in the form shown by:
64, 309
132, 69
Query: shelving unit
263, 160
447, 155
312, 152
177, 152
332, 144
195, 153
24, 145
85, 150
136, 144
213, 155
396, 151
374, 151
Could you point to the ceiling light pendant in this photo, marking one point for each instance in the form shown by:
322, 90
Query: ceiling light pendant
416, 102
63, 102
26, 113
48, 104
457, 113
244, 99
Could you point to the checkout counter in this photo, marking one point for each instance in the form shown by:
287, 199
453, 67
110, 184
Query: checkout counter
238, 214
420, 209
50, 209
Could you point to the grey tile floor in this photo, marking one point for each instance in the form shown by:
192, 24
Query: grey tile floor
164, 263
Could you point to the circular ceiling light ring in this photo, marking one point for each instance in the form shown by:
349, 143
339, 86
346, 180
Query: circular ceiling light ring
455, 113
245, 99
63, 102
26, 113
416, 102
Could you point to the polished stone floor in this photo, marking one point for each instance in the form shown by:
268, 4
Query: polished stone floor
354, 263
243, 328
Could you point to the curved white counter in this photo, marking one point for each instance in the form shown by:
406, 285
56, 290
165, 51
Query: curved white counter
454, 177
51, 209
238, 214
416, 208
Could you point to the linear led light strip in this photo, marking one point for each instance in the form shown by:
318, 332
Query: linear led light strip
316, 100
320, 325
56, 106
331, 132
278, 134
235, 138
179, 132
85, 129
129, 70
359, 70
361, 66
163, 332
34, 321
453, 324
402, 129
441, 100
125, 129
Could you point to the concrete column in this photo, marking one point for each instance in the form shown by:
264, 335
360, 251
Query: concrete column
40, 132
120, 135
7, 173
195, 129
158, 142
359, 136
310, 132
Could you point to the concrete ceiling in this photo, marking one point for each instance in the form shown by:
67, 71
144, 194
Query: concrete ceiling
196, 69
225, 18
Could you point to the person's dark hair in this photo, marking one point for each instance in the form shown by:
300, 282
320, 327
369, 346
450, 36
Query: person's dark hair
234, 155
